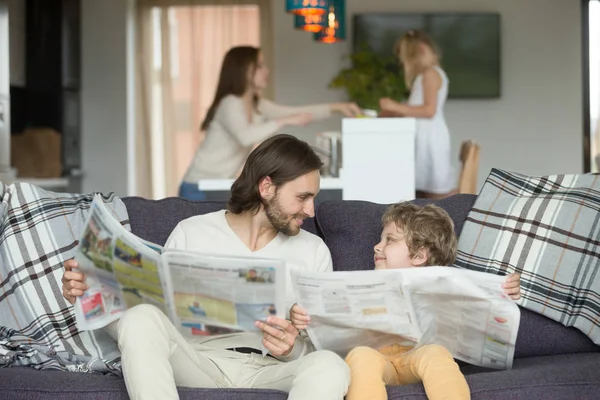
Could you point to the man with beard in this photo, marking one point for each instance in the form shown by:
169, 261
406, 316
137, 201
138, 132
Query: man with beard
269, 201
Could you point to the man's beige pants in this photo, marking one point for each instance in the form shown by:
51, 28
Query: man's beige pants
156, 358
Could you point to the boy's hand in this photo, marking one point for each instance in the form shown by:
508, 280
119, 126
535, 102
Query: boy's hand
512, 286
299, 317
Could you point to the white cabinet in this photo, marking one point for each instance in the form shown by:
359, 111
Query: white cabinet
378, 159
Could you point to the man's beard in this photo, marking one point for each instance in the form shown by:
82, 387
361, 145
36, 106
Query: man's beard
281, 221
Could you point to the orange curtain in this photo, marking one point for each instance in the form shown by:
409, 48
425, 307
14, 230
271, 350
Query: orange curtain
180, 48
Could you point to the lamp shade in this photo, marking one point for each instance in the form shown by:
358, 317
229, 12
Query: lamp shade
310, 23
335, 23
306, 7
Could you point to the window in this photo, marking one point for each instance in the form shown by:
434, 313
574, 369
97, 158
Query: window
187, 45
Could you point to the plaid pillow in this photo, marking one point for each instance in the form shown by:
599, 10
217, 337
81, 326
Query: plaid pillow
38, 232
548, 229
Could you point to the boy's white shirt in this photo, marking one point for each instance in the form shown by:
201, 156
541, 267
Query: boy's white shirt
211, 233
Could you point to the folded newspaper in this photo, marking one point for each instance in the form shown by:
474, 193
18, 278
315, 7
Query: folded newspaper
202, 294
465, 311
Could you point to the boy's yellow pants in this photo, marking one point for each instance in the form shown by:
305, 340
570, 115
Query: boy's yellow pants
371, 370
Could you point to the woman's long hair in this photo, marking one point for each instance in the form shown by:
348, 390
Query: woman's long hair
409, 52
233, 78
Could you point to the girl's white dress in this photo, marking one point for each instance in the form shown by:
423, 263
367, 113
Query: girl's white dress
433, 169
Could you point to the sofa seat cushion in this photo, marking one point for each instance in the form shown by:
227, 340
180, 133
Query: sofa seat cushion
558, 377
572, 376
154, 220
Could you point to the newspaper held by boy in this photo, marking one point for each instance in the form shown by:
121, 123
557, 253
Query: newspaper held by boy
467, 312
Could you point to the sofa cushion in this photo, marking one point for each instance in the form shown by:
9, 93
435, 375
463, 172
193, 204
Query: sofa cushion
548, 229
540, 336
351, 228
154, 220
39, 231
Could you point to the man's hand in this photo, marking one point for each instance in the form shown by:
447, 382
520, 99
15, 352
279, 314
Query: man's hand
279, 335
512, 286
299, 317
73, 282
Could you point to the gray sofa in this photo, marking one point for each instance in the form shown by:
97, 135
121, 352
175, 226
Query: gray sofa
551, 361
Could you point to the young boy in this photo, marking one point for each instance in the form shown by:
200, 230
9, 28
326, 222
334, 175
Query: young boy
412, 236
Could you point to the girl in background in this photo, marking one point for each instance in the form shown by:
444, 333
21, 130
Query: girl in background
428, 86
240, 118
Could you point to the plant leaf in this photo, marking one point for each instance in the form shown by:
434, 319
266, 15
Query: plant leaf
370, 78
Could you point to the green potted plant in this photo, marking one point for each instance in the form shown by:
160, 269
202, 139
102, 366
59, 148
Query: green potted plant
369, 78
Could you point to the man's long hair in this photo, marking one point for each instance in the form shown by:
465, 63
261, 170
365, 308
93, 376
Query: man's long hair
282, 158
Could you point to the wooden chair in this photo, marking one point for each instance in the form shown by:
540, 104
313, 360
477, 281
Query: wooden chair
469, 158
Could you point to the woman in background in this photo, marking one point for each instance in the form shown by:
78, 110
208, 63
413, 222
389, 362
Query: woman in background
240, 118
428, 86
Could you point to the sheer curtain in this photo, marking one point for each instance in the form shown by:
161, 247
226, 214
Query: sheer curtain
180, 46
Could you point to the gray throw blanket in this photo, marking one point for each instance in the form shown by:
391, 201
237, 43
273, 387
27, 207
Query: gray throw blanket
39, 230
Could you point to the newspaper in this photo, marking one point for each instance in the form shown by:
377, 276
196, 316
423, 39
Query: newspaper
202, 294
465, 311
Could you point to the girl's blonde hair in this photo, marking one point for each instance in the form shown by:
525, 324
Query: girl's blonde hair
408, 50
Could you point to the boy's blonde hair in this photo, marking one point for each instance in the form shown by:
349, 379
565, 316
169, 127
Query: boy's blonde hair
428, 227
408, 51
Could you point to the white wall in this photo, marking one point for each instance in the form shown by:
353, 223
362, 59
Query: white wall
536, 125
104, 96
534, 128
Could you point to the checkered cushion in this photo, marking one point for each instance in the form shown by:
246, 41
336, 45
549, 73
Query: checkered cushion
39, 230
547, 228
